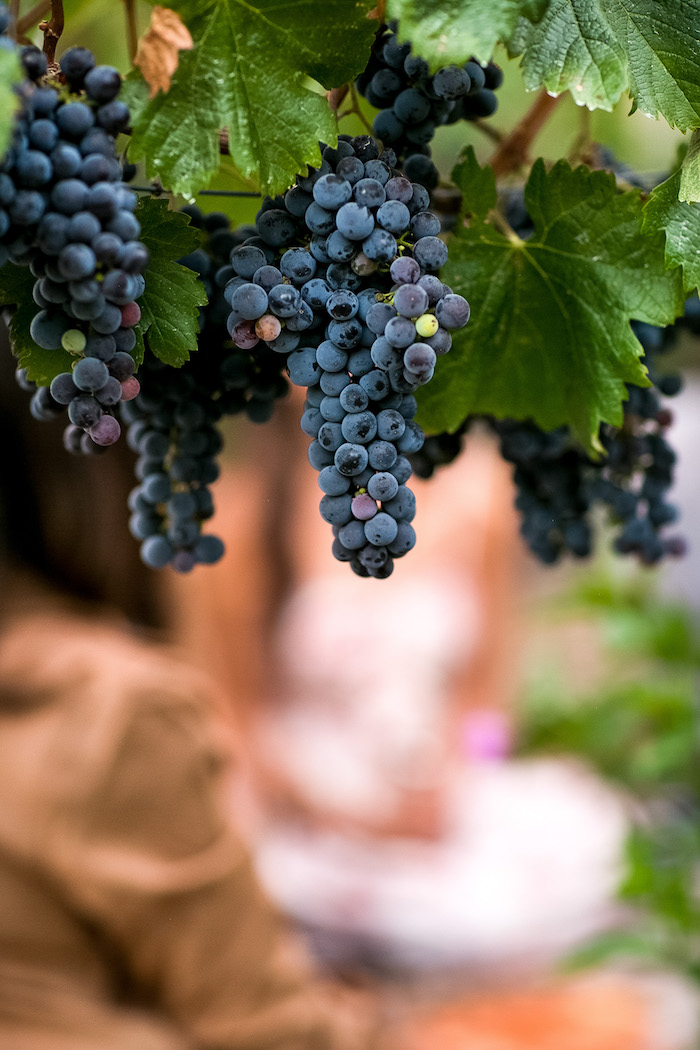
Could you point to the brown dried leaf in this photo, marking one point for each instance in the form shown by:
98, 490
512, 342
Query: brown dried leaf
159, 47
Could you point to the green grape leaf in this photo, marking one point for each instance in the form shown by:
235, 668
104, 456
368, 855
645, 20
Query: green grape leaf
139, 351
248, 73
134, 93
16, 286
680, 222
598, 49
689, 188
451, 31
549, 336
173, 294
10, 74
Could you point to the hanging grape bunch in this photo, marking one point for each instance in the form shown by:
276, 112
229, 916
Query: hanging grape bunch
412, 102
342, 280
173, 422
67, 215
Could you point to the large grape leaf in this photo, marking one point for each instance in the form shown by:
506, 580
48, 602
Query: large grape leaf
248, 73
16, 286
10, 73
549, 337
680, 222
170, 303
598, 49
445, 31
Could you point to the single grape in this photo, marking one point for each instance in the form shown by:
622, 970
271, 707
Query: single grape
74, 341
426, 325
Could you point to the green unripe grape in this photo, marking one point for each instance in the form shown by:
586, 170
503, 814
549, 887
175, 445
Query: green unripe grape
73, 341
427, 325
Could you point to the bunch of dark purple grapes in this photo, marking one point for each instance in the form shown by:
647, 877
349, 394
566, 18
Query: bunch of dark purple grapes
413, 102
65, 213
172, 425
341, 282
559, 485
173, 422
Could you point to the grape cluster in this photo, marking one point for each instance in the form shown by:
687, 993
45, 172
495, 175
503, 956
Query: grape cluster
341, 281
558, 485
173, 422
242, 380
172, 425
65, 213
412, 102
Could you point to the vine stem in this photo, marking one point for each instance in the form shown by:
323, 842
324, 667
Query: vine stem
513, 150
355, 108
52, 30
335, 96
379, 12
491, 133
582, 143
31, 18
132, 34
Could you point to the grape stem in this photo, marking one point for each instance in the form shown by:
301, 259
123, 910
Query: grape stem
132, 34
52, 30
355, 108
379, 12
581, 148
335, 96
513, 151
486, 129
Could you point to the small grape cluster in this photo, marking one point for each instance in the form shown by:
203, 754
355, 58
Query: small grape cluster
65, 213
241, 380
558, 485
412, 102
173, 422
341, 281
172, 425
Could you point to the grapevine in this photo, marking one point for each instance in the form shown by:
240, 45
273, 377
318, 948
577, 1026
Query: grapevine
409, 302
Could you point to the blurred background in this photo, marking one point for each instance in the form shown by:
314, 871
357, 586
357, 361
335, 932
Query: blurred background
474, 786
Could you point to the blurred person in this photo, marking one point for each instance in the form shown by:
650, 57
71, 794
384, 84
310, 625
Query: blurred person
424, 664
376, 716
129, 912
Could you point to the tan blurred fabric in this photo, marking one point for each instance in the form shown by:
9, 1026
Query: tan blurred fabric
129, 915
